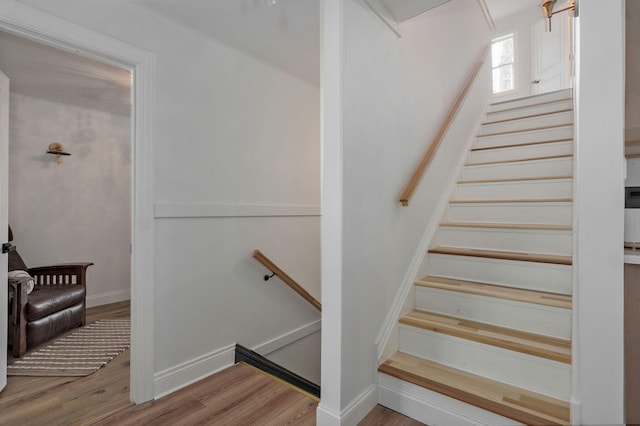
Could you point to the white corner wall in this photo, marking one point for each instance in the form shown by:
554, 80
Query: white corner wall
598, 349
384, 100
237, 165
77, 211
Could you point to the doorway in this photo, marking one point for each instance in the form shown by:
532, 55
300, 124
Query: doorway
26, 22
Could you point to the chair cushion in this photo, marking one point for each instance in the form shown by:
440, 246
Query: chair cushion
53, 325
46, 300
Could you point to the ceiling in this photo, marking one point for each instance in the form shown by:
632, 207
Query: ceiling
282, 33
500, 9
44, 72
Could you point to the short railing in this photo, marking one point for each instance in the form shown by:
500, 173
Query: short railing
428, 156
277, 271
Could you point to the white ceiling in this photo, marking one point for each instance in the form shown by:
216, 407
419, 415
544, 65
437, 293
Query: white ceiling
283, 33
502, 8
44, 72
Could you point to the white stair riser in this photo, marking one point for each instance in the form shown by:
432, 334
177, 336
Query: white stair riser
519, 138
529, 101
523, 169
552, 213
538, 276
530, 317
515, 190
516, 113
519, 240
555, 119
521, 152
535, 374
433, 408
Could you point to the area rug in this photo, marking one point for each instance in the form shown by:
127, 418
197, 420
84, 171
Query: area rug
79, 353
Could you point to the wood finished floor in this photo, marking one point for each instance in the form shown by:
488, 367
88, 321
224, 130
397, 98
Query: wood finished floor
236, 396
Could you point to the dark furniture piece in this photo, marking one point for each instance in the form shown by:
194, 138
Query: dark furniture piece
56, 304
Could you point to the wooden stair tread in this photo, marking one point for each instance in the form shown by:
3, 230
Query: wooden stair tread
520, 160
532, 226
523, 200
521, 144
522, 179
541, 97
528, 129
520, 341
504, 255
503, 399
509, 293
542, 114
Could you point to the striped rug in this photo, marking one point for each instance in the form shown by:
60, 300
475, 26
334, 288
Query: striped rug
79, 353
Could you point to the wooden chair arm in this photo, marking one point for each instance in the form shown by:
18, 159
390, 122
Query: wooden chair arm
62, 273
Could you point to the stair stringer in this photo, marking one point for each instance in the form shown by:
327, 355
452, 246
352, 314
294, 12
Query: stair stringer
472, 110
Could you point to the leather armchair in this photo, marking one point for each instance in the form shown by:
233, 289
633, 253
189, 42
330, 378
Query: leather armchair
56, 304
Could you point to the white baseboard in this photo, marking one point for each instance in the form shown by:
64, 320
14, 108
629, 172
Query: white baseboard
110, 297
433, 408
288, 338
326, 416
360, 406
181, 375
352, 413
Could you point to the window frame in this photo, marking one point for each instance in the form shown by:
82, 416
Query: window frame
494, 40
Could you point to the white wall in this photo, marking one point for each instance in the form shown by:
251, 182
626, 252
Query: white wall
598, 346
78, 210
395, 93
237, 168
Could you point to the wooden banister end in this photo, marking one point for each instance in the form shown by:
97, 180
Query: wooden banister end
404, 203
256, 253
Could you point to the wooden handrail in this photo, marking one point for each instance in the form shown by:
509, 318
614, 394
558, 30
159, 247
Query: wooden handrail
418, 174
286, 279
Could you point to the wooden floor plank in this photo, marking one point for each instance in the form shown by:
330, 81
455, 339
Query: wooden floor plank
63, 401
102, 398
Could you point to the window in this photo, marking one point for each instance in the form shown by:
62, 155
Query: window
502, 63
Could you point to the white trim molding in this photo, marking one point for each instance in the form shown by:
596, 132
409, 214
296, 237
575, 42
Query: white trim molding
487, 14
27, 22
106, 298
380, 11
353, 413
287, 339
184, 210
186, 373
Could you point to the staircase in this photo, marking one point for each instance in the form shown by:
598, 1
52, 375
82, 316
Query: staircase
489, 340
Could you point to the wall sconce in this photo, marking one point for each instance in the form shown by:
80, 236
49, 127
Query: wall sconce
548, 12
57, 149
